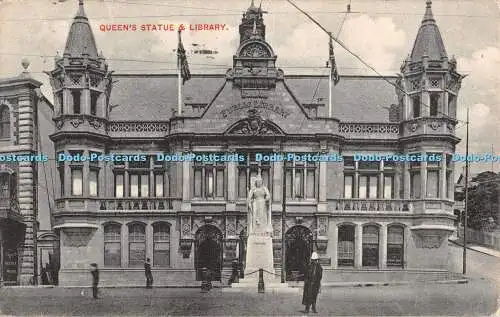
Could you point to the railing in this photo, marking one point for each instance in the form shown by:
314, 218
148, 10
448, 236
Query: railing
8, 203
369, 130
373, 205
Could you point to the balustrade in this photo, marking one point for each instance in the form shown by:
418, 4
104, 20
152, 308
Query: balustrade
142, 203
373, 205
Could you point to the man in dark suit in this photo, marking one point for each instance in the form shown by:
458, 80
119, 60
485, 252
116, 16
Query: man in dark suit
149, 275
312, 283
95, 278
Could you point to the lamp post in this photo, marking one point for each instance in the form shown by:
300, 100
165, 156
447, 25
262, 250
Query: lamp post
464, 256
283, 219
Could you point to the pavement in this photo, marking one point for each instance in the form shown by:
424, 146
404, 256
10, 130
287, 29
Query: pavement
478, 248
472, 299
478, 297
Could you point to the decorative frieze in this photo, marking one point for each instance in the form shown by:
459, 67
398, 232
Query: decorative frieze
373, 205
138, 126
369, 128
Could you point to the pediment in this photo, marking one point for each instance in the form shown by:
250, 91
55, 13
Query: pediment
254, 125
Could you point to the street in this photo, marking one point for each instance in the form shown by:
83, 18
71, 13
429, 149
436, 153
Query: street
476, 298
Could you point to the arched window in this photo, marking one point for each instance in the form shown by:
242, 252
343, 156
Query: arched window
346, 245
112, 245
4, 122
395, 245
370, 245
137, 244
161, 244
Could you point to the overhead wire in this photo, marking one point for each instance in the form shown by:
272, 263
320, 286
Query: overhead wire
364, 62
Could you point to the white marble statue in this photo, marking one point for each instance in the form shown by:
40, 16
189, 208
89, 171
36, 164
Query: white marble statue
259, 210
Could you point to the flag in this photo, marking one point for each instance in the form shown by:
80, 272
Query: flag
182, 61
334, 75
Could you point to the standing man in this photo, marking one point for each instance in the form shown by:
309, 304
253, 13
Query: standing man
149, 275
312, 283
95, 278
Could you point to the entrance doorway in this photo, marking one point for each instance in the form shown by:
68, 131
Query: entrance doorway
208, 246
299, 244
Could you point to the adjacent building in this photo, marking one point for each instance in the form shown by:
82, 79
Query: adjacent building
23, 187
375, 219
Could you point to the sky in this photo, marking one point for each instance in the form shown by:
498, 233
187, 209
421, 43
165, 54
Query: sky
380, 31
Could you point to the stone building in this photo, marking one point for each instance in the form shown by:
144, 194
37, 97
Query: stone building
372, 220
23, 111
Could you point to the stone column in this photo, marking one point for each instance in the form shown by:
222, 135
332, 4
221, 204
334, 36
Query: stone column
423, 179
358, 246
232, 180
1, 257
85, 177
277, 181
333, 243
322, 182
26, 206
406, 181
186, 169
149, 242
383, 247
445, 103
124, 247
381, 189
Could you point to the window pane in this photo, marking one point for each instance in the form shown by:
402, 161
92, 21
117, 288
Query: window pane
145, 185
242, 183
348, 180
415, 185
388, 185
433, 184
265, 177
4, 122
373, 186
119, 185
311, 183
112, 253
134, 185
346, 246
197, 182
93, 183
137, 245
159, 185
289, 189
363, 180
299, 183
161, 247
370, 246
61, 180
220, 183
76, 182
449, 182
395, 246
209, 182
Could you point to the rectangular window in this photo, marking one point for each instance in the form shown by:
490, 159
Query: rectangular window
415, 184
451, 105
248, 170
4, 186
60, 102
159, 181
434, 107
139, 185
61, 180
76, 181
368, 186
348, 186
134, 185
301, 179
198, 174
94, 182
388, 187
94, 97
433, 184
395, 246
76, 94
112, 245
449, 175
416, 106
119, 185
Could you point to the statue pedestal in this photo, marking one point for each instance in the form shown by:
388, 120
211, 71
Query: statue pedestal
259, 256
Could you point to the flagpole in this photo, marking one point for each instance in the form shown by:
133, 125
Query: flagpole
179, 81
464, 255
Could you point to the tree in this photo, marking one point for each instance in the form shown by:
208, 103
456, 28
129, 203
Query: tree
483, 200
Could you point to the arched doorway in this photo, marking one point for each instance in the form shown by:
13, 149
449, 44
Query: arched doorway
298, 252
208, 246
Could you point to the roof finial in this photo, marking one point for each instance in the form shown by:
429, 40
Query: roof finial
254, 31
81, 11
80, 2
429, 3
252, 5
428, 12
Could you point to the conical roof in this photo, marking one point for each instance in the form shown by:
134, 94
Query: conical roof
80, 38
428, 41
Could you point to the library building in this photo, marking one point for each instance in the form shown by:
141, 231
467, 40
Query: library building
381, 220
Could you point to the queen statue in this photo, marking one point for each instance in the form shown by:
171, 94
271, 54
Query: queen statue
259, 211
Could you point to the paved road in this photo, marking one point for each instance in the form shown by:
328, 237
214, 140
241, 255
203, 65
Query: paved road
479, 265
477, 298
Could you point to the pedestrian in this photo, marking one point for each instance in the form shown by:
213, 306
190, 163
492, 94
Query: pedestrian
44, 275
149, 275
312, 283
95, 279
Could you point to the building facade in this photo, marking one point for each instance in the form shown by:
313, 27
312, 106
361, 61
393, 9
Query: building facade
23, 109
379, 219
